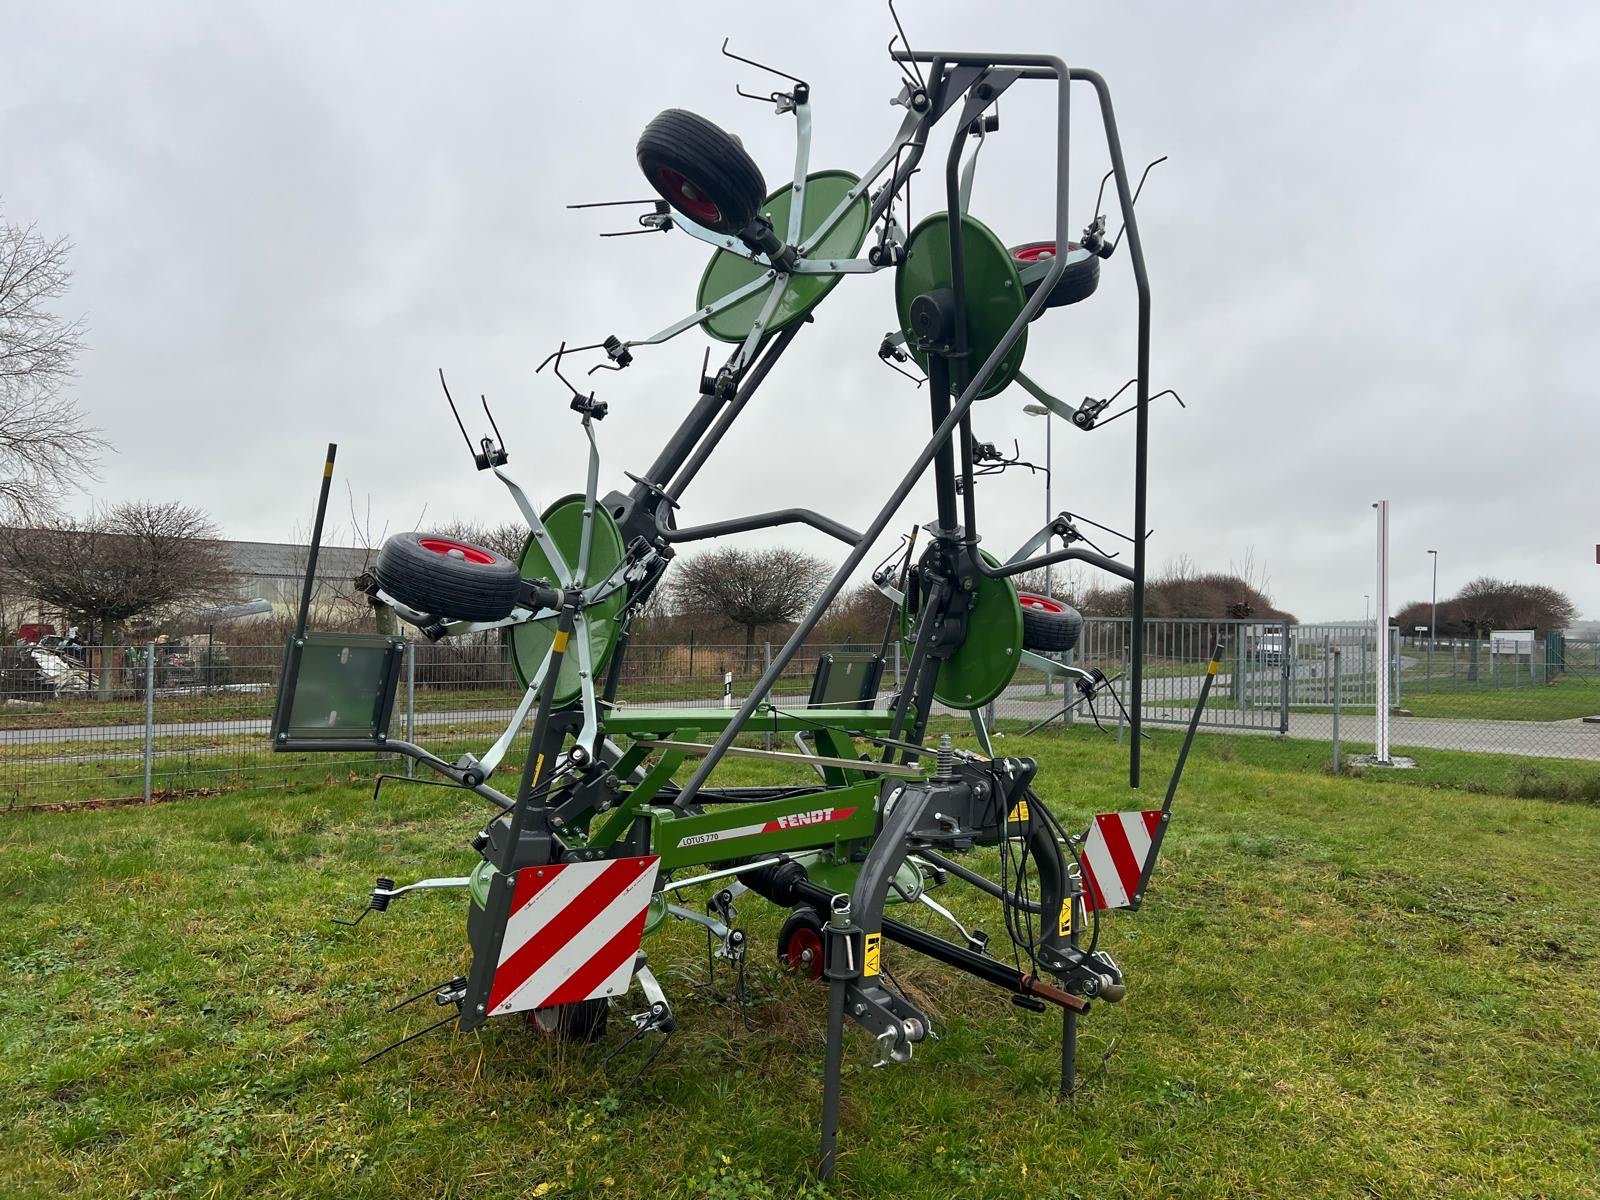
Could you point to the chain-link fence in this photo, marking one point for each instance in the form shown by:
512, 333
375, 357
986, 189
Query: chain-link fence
1528, 696
84, 723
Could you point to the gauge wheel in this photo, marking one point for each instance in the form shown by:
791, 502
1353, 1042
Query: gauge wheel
446, 577
1048, 624
1079, 277
582, 1021
701, 170
800, 943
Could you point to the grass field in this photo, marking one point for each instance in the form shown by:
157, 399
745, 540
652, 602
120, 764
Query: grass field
1382, 986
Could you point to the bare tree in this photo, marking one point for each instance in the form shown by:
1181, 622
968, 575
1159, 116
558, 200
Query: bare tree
136, 559
750, 588
46, 448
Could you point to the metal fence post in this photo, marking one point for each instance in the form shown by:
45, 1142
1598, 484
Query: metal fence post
1336, 657
411, 702
1072, 661
149, 713
897, 665
766, 663
1124, 671
1288, 652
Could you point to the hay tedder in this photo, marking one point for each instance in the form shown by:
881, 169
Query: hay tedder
616, 811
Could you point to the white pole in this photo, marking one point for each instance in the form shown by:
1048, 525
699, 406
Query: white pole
1381, 749
727, 689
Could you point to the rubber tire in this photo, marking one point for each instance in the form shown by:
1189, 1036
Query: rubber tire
802, 918
1049, 631
441, 586
709, 158
1078, 281
582, 1021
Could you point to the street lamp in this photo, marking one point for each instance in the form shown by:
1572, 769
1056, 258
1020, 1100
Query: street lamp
1039, 410
1433, 614
1366, 607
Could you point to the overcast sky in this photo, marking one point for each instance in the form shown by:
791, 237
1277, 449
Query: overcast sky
1373, 256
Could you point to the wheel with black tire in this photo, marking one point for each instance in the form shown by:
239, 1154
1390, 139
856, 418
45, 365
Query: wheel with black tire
1048, 624
1079, 277
800, 943
445, 577
582, 1021
701, 170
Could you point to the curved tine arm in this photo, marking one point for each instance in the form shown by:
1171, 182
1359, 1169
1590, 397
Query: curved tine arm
802, 165
1051, 667
590, 733
1070, 554
1040, 538
492, 756
710, 310
1059, 407
591, 485
558, 561
758, 330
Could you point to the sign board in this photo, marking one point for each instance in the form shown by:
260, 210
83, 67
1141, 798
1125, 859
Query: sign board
1511, 641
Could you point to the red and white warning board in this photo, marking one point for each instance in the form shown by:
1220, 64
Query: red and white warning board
1114, 857
573, 933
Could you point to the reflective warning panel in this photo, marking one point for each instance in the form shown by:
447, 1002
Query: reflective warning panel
1114, 857
573, 933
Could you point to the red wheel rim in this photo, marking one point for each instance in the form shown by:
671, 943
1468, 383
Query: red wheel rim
471, 554
804, 952
1040, 603
687, 198
1035, 251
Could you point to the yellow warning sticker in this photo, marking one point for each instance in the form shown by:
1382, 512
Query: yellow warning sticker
874, 953
1211, 668
560, 644
1019, 811
1066, 917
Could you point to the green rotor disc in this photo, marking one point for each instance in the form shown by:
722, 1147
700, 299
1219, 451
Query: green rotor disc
994, 292
530, 642
727, 271
980, 670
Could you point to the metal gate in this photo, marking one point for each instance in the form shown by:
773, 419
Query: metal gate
1252, 685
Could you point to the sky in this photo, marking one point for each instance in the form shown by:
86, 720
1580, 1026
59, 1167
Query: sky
1372, 256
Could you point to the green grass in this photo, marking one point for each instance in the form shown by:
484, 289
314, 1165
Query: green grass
1377, 986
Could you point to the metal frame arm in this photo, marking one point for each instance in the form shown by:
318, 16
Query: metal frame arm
766, 520
1051, 67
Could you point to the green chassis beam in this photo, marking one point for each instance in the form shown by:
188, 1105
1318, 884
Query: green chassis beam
842, 809
821, 820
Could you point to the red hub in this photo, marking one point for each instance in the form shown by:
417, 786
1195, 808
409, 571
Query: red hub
442, 545
1040, 603
687, 198
804, 952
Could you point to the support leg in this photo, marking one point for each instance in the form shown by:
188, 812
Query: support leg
1069, 1053
833, 1066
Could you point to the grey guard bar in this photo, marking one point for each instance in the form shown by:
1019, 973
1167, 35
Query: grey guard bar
767, 520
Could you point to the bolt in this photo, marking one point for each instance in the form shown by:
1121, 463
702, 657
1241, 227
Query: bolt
859, 1009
